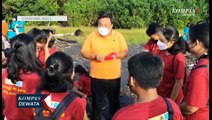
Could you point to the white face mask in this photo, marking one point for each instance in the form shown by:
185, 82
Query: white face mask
161, 45
103, 31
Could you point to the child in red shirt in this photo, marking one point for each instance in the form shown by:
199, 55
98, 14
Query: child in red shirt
195, 105
172, 53
145, 71
154, 32
56, 81
84, 81
43, 38
22, 76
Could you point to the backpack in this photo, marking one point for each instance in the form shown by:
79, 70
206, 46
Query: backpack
57, 112
187, 69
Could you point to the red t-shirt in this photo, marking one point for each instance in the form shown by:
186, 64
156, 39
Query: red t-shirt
152, 46
85, 83
144, 111
42, 55
197, 91
75, 84
171, 72
75, 111
28, 85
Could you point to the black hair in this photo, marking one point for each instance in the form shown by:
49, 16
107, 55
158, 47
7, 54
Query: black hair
57, 75
47, 31
106, 15
200, 32
146, 69
22, 57
81, 69
153, 28
38, 35
52, 41
171, 33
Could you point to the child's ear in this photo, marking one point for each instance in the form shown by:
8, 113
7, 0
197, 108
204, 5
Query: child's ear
197, 42
132, 82
72, 75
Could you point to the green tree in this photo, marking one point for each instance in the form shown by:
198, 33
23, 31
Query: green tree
126, 13
82, 12
29, 8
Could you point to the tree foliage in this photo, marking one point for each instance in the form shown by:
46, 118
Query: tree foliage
126, 13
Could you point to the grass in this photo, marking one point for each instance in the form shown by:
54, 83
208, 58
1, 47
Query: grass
132, 36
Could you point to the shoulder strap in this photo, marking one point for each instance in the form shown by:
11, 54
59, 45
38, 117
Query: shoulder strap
37, 110
63, 105
169, 107
201, 66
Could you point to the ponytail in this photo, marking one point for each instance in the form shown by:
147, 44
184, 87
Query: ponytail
57, 75
52, 80
179, 46
183, 44
171, 33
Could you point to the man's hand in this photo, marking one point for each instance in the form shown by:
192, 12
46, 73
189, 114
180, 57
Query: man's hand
111, 56
99, 58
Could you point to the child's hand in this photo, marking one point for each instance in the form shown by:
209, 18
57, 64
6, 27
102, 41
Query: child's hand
84, 96
80, 93
47, 43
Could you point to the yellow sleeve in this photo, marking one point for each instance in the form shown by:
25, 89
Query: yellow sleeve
86, 47
122, 43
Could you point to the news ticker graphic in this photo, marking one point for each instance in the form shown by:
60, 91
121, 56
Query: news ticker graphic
31, 100
42, 18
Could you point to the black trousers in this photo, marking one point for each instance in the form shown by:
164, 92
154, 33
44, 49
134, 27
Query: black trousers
100, 88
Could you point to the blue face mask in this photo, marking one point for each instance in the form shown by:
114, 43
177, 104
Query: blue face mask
161, 45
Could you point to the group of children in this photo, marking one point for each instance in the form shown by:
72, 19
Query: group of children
35, 65
27, 63
172, 48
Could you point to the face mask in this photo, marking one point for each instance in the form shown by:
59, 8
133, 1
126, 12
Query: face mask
161, 45
103, 31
